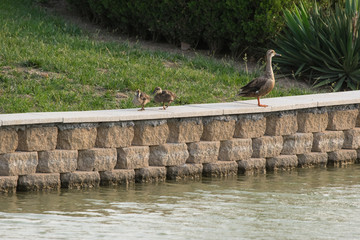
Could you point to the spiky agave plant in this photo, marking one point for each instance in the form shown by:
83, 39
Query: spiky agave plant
322, 45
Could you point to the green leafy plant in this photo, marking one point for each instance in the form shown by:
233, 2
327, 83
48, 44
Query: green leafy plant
322, 45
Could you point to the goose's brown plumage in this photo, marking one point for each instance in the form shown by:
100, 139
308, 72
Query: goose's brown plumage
141, 99
164, 96
261, 86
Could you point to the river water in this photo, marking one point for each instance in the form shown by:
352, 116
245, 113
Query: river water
302, 204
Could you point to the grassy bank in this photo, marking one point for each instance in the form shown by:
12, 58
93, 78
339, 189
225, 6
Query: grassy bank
48, 64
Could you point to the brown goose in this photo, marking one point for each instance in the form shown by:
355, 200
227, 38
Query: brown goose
141, 98
261, 86
164, 96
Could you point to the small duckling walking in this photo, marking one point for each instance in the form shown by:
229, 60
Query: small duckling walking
141, 98
164, 96
261, 86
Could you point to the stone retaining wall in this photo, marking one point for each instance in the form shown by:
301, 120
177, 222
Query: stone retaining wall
53, 155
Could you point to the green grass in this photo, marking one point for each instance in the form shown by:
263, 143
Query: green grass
47, 64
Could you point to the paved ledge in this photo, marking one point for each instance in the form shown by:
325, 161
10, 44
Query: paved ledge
192, 110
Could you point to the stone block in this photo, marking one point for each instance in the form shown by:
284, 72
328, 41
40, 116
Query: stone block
267, 146
328, 141
220, 169
57, 161
312, 159
281, 124
8, 183
252, 165
37, 138
309, 122
352, 138
150, 174
117, 177
203, 152
170, 154
235, 149
80, 179
115, 135
342, 157
18, 163
357, 124
132, 157
297, 143
8, 140
185, 130
342, 119
184, 172
282, 162
77, 136
149, 133
39, 181
250, 126
218, 128
358, 156
97, 159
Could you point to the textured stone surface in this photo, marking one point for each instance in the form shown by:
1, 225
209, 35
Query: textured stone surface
184, 172
309, 122
357, 124
352, 138
252, 165
342, 119
38, 138
220, 169
342, 157
148, 133
235, 149
80, 179
297, 143
281, 124
312, 159
203, 152
133, 157
117, 177
8, 140
8, 183
283, 162
150, 174
250, 126
267, 146
77, 137
18, 163
57, 161
114, 136
328, 141
97, 159
39, 181
218, 128
170, 154
185, 130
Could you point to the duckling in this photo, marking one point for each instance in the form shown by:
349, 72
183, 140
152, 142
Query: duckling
141, 98
164, 96
261, 86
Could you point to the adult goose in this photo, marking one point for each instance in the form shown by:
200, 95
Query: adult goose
261, 86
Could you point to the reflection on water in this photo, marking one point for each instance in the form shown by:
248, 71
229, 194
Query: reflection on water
303, 204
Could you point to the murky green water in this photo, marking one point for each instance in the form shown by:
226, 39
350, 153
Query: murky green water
304, 204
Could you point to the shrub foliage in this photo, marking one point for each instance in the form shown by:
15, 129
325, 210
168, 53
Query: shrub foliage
323, 45
235, 25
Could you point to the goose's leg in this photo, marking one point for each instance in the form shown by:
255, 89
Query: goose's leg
260, 105
164, 106
168, 104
